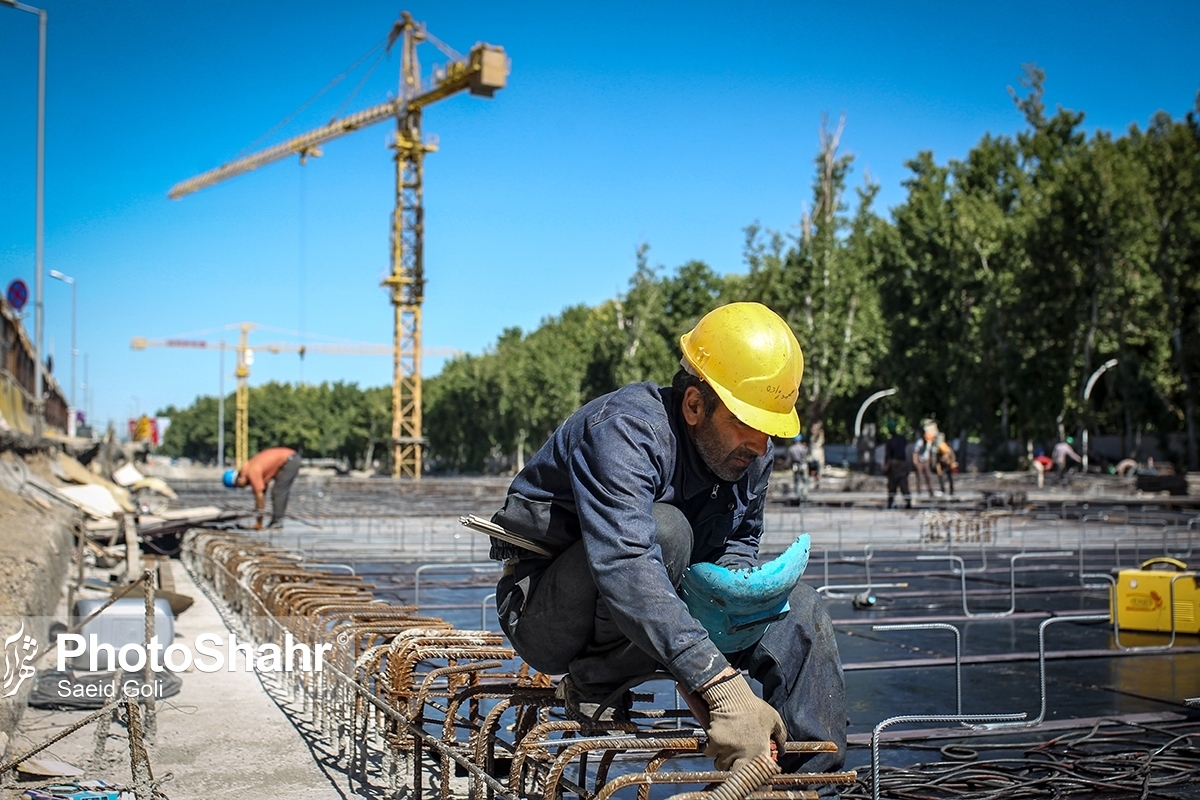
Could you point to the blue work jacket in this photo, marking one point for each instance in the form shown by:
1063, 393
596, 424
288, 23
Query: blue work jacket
598, 478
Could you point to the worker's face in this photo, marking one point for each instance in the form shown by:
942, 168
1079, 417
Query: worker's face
240, 481
727, 445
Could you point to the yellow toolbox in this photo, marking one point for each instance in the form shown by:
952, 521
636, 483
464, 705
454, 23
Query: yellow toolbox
1143, 597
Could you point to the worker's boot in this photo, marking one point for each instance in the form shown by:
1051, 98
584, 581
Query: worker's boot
589, 710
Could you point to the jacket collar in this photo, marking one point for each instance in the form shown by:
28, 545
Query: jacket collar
697, 477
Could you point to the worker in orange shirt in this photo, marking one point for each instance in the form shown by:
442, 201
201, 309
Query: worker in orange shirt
279, 464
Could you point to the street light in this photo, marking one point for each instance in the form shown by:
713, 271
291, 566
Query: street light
39, 225
863, 409
87, 393
71, 281
1087, 394
858, 423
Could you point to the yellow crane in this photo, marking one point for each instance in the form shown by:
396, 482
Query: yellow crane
481, 72
245, 358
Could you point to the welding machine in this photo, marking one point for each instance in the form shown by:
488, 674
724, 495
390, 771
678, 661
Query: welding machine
1143, 597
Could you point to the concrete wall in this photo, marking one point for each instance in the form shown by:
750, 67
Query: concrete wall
35, 555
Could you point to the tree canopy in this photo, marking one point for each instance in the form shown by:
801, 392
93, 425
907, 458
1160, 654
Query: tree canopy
987, 298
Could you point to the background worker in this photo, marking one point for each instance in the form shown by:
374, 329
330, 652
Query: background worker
797, 454
1041, 464
947, 463
1062, 451
278, 464
923, 456
895, 465
632, 489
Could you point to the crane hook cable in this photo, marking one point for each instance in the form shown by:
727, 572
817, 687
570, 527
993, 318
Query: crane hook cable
311, 100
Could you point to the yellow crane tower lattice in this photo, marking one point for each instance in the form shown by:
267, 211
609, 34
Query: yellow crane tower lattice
481, 72
245, 359
241, 419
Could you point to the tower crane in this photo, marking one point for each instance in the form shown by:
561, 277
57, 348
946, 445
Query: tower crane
481, 72
245, 359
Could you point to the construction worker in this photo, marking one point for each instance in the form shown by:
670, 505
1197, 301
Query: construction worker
631, 490
797, 456
895, 465
924, 456
278, 464
1063, 451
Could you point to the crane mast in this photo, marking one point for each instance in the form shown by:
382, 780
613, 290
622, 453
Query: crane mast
241, 424
406, 284
481, 72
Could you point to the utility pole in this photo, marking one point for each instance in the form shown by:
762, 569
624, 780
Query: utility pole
74, 351
39, 224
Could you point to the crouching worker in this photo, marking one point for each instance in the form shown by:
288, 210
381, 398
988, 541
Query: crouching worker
630, 492
278, 464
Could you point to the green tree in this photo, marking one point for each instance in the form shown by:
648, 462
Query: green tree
823, 285
193, 430
1169, 151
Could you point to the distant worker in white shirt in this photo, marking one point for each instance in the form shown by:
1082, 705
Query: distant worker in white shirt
1063, 451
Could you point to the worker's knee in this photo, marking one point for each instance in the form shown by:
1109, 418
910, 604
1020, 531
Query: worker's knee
804, 603
673, 533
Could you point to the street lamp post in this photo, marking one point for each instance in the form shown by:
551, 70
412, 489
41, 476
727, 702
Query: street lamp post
39, 224
859, 418
863, 409
221, 410
74, 352
1087, 394
87, 393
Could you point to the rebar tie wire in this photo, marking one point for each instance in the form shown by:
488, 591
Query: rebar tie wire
1122, 762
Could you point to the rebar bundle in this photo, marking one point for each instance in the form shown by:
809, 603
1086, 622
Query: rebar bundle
409, 704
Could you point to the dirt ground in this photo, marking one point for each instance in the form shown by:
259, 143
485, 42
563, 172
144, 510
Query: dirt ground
36, 543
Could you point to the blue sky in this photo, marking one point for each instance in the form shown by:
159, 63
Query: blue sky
674, 124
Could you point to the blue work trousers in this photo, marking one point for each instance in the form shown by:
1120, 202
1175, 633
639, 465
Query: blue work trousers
557, 622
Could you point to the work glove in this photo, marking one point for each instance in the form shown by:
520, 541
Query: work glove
742, 725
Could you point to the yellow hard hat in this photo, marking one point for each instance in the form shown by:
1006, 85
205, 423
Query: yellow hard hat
751, 358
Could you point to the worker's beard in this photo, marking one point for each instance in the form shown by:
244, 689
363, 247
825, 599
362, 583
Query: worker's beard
728, 466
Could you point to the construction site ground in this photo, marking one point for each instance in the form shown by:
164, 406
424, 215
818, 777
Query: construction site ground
224, 735
221, 736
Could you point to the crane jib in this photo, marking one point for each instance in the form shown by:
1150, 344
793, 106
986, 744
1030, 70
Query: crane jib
481, 73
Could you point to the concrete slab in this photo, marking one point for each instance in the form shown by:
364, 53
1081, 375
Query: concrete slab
221, 736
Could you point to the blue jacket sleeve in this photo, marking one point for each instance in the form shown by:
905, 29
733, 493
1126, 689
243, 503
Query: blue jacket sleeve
616, 473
